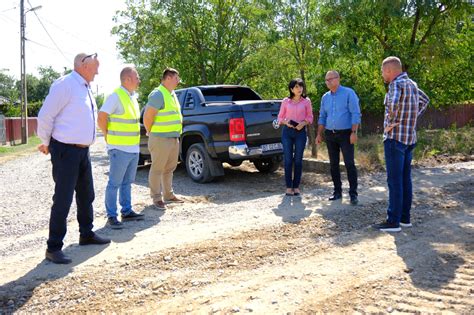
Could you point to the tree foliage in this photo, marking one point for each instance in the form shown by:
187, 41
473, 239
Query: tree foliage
265, 43
37, 89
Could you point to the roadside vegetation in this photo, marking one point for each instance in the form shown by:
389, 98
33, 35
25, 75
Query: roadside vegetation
15, 150
433, 146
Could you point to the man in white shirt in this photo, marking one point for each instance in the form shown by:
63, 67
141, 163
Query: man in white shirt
119, 120
66, 127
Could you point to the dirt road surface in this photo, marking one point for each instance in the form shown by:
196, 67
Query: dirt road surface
239, 246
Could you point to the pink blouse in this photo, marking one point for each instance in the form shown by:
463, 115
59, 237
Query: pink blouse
297, 111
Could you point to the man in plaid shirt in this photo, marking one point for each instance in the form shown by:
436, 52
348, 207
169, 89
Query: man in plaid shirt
404, 102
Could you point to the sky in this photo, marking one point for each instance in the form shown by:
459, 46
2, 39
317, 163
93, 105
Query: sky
74, 26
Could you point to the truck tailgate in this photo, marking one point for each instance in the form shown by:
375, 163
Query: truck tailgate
259, 116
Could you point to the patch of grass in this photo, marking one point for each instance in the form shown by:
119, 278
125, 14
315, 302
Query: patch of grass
451, 141
369, 152
20, 148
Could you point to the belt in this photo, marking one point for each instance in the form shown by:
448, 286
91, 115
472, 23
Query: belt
82, 146
339, 130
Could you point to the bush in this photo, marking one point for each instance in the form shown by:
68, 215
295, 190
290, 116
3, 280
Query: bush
444, 141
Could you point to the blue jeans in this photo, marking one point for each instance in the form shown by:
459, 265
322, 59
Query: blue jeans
293, 148
398, 157
123, 168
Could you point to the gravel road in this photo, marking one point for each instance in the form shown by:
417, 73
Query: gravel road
239, 245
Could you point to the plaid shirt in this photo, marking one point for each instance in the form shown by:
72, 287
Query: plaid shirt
404, 102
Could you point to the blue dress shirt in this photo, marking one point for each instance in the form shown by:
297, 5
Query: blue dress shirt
339, 110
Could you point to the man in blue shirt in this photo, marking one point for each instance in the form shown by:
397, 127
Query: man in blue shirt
339, 118
66, 127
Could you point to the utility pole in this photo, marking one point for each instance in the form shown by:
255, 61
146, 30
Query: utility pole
24, 94
24, 106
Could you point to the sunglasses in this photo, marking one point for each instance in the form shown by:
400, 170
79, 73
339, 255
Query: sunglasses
94, 56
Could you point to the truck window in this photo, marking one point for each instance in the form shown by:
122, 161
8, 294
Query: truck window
229, 94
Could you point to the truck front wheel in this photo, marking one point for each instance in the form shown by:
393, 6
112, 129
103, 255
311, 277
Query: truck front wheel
267, 165
197, 163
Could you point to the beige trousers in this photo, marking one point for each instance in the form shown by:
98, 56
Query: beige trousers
164, 159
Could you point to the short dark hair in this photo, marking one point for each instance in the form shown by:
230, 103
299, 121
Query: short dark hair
168, 72
294, 83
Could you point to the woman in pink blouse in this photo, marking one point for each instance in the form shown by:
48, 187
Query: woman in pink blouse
295, 113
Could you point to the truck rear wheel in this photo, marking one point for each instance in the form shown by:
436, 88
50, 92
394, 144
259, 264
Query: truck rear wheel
198, 163
267, 165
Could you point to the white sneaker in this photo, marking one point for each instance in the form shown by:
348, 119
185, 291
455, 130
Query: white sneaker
406, 225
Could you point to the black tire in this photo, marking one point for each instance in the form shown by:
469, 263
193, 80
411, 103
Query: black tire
267, 165
197, 163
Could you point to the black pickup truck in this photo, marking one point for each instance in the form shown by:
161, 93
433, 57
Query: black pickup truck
225, 123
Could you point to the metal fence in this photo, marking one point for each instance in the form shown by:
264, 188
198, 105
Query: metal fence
458, 116
13, 129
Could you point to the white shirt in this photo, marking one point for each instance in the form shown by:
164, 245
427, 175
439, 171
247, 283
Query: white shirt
69, 112
112, 105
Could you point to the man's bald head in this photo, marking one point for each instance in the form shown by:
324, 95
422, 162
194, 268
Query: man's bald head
126, 72
332, 80
86, 65
332, 74
129, 78
392, 62
391, 68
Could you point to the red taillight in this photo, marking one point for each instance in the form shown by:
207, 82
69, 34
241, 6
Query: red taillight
237, 129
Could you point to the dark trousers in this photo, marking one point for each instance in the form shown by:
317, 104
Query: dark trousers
72, 171
293, 142
336, 142
398, 157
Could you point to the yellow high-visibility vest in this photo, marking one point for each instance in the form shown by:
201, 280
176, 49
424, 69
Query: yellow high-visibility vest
124, 129
169, 119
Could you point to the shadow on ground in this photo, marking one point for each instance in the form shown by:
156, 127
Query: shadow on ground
15, 294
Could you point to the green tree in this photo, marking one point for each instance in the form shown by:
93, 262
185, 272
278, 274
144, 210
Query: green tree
299, 24
429, 36
208, 41
7, 86
47, 76
8, 91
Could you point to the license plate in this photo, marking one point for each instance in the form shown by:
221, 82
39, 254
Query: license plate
271, 147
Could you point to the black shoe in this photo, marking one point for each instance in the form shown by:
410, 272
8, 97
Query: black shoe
133, 216
114, 224
93, 240
58, 257
335, 196
387, 227
354, 200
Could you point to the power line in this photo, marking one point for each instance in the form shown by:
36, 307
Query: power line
13, 5
50, 37
45, 46
7, 18
80, 39
6, 10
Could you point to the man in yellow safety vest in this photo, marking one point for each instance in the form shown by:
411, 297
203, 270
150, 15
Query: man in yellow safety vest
119, 119
164, 123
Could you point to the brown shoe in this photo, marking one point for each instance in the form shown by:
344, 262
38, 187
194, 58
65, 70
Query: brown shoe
160, 205
175, 200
